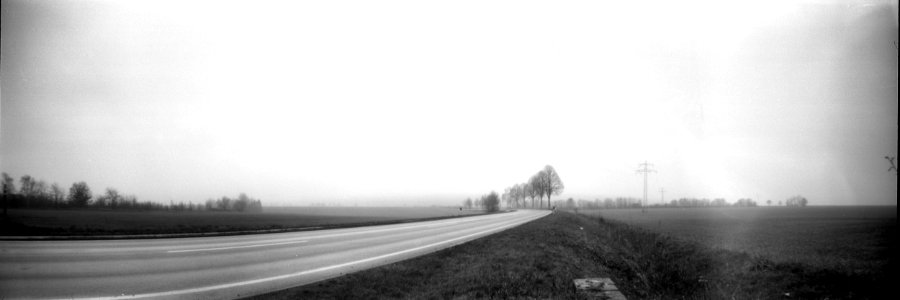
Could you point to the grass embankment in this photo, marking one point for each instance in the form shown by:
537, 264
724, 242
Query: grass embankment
25, 222
540, 259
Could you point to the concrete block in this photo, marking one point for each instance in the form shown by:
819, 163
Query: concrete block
597, 288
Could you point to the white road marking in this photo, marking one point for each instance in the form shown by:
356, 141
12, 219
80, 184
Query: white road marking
233, 247
511, 223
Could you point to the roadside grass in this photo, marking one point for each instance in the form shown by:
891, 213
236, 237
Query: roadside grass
540, 259
63, 222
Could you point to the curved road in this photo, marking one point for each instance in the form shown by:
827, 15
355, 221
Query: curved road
225, 266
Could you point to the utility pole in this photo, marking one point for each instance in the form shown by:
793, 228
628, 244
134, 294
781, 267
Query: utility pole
645, 168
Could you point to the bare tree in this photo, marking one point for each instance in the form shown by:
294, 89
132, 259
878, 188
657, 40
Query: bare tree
79, 194
537, 184
40, 189
491, 202
42, 193
530, 191
111, 198
26, 185
225, 203
796, 201
57, 193
893, 166
507, 196
9, 184
517, 193
468, 203
34, 191
9, 188
130, 201
26, 189
552, 185
242, 202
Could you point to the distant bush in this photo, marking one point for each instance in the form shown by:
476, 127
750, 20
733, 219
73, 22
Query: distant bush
491, 202
798, 200
745, 202
241, 203
468, 203
79, 194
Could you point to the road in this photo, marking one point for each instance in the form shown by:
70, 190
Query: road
225, 266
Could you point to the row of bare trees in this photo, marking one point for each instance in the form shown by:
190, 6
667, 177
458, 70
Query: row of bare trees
35, 193
545, 183
241, 203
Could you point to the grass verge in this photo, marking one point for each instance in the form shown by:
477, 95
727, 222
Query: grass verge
540, 259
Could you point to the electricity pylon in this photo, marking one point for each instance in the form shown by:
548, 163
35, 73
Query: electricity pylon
646, 169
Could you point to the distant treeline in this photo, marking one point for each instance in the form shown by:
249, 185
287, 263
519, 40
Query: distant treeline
241, 203
489, 202
34, 193
627, 202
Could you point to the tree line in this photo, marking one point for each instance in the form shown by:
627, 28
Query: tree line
629, 202
544, 183
35, 193
489, 202
798, 201
704, 202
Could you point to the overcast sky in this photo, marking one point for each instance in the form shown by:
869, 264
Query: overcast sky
417, 102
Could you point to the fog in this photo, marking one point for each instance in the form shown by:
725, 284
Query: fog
411, 103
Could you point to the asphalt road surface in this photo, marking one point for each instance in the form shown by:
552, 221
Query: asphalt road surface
225, 266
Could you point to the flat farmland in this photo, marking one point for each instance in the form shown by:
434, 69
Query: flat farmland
854, 239
107, 222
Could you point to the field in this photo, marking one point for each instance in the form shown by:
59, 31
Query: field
105, 222
539, 260
713, 253
846, 238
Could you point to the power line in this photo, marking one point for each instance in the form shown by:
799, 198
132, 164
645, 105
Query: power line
645, 168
